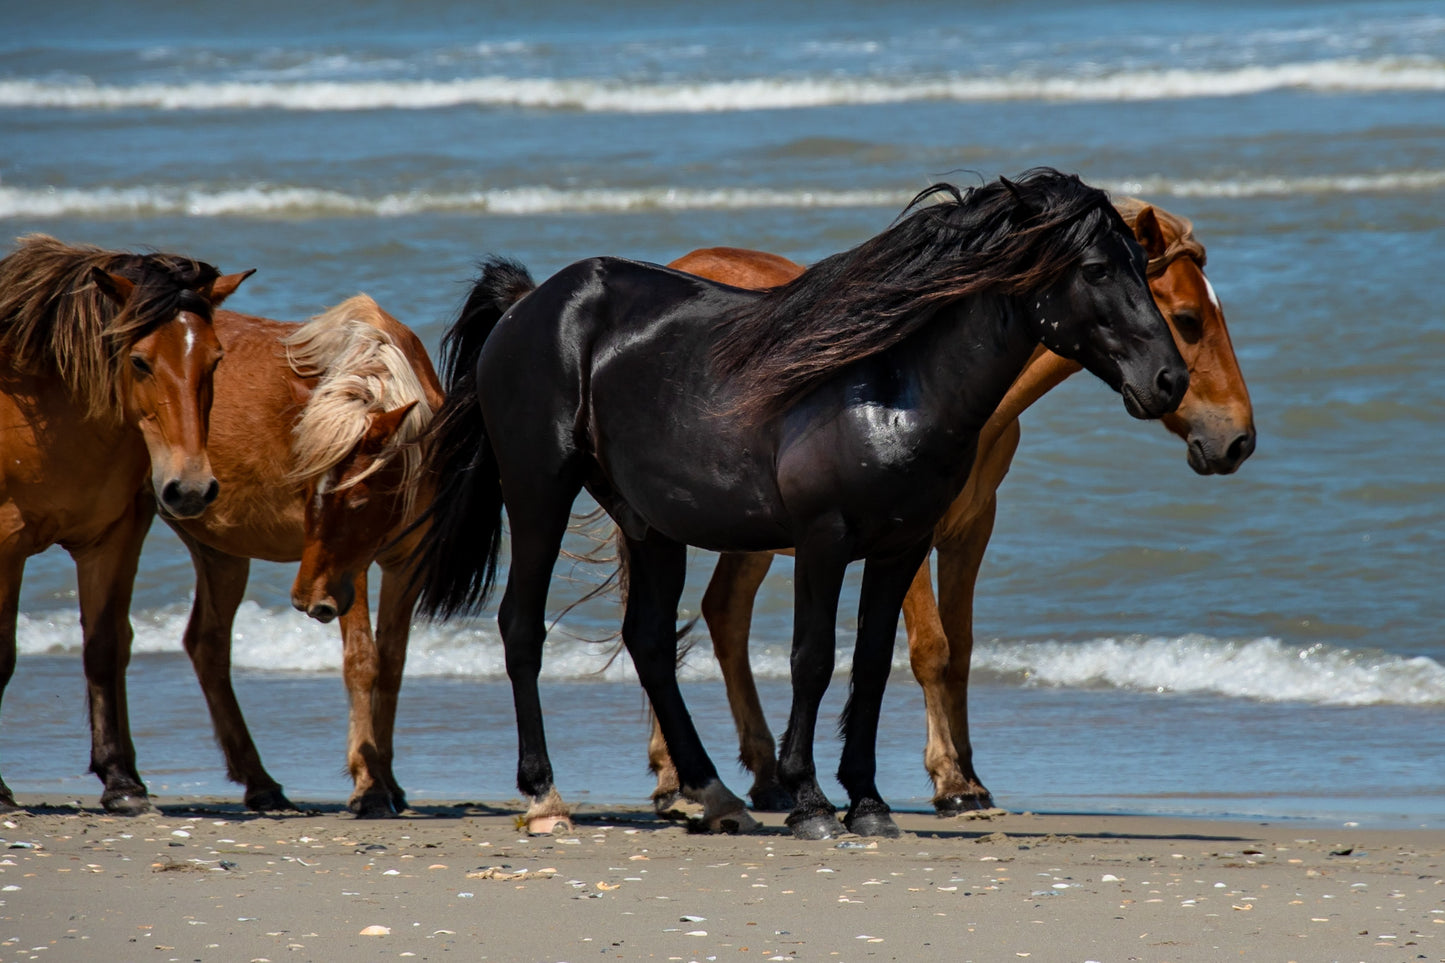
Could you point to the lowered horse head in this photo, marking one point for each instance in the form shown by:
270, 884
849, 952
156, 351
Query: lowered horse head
355, 446
131, 339
1215, 419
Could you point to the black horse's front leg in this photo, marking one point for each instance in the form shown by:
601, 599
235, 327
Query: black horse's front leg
885, 582
656, 567
817, 580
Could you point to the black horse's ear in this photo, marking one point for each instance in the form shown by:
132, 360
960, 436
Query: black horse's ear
1017, 195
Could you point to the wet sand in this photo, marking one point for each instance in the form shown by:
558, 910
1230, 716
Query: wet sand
206, 880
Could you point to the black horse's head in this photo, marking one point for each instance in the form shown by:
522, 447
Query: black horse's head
1098, 310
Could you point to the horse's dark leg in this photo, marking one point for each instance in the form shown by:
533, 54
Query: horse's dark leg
360, 670
958, 566
536, 537
817, 580
12, 571
105, 575
393, 633
884, 584
727, 607
220, 584
656, 569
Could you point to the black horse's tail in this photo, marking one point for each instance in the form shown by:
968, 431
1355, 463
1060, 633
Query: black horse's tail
467, 509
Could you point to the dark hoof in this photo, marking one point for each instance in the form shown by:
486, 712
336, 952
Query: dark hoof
398, 801
8, 803
771, 799
374, 805
126, 803
814, 825
665, 804
269, 801
959, 803
873, 824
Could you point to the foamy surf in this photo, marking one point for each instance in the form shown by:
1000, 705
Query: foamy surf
1084, 83
1263, 669
279, 202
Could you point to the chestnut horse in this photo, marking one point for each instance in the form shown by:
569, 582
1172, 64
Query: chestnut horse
1214, 419
106, 361
826, 415
313, 437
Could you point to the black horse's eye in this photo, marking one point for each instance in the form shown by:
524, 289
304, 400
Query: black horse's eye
140, 366
1096, 272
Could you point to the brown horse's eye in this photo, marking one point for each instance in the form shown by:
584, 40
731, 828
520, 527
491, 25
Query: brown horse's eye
1188, 325
140, 366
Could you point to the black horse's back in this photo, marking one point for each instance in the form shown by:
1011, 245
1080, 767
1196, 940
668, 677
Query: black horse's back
453, 577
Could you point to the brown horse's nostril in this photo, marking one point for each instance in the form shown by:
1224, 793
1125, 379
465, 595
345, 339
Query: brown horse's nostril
212, 490
322, 612
1240, 448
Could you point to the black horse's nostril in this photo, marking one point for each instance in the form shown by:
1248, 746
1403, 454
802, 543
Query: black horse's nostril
212, 490
1164, 382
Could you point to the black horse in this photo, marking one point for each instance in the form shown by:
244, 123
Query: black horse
837, 415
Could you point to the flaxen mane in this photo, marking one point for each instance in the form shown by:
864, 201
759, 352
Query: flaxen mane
53, 317
1184, 244
363, 372
999, 238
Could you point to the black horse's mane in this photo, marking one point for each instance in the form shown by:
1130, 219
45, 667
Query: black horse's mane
1004, 237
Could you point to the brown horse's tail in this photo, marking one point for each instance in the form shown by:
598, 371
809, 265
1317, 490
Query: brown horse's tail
450, 574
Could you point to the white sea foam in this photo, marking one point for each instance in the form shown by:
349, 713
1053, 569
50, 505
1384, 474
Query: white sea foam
1264, 669
765, 93
278, 201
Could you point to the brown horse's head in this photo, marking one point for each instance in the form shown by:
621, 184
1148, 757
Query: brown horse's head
356, 445
350, 511
1215, 419
163, 387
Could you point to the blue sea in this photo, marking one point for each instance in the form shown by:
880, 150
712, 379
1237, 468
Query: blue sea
1266, 645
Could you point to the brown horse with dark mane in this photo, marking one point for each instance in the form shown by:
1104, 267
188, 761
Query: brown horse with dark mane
314, 437
106, 361
1214, 419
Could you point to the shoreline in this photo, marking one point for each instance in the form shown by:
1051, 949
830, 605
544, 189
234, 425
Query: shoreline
204, 879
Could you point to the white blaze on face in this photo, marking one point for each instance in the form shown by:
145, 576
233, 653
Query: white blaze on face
1213, 298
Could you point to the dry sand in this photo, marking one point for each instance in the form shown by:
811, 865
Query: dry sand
205, 880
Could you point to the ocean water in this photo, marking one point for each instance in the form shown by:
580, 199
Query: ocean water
1262, 645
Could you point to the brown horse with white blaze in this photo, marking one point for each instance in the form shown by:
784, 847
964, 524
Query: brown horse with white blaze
313, 436
106, 362
1215, 420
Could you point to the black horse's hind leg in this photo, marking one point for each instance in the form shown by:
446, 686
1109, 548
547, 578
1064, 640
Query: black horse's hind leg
537, 531
817, 580
884, 585
656, 567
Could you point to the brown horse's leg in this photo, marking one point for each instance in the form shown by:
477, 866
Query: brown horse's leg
105, 576
929, 656
12, 571
370, 797
220, 583
727, 606
958, 564
393, 633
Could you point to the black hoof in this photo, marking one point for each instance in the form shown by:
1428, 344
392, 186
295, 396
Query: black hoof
873, 824
8, 803
814, 825
269, 801
960, 803
666, 804
771, 799
398, 801
123, 803
374, 805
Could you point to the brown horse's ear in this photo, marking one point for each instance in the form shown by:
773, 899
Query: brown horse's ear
113, 286
1149, 234
384, 425
223, 287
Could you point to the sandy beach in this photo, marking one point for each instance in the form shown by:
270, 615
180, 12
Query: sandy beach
206, 880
